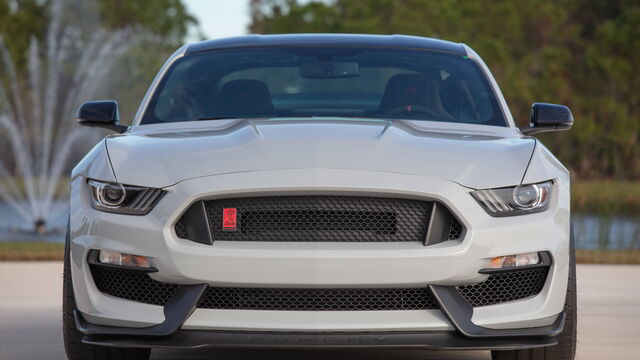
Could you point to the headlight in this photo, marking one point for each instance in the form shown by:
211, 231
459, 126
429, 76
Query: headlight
515, 200
123, 199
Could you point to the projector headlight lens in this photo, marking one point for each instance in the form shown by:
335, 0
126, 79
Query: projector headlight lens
123, 199
515, 200
111, 194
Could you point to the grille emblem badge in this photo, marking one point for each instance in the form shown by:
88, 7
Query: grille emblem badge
229, 219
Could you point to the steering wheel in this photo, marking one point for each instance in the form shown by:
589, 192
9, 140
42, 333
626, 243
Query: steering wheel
410, 109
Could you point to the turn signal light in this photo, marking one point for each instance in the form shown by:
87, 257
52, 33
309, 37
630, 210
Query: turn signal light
514, 260
116, 258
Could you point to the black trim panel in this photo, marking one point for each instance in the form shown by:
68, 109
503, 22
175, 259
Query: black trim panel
441, 340
459, 312
439, 225
176, 312
197, 223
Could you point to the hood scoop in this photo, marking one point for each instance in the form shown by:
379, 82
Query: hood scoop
310, 129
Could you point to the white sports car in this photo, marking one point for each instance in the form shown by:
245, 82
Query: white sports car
324, 191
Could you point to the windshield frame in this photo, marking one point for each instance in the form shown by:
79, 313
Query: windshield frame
183, 53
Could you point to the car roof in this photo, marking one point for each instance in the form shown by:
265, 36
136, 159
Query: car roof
391, 41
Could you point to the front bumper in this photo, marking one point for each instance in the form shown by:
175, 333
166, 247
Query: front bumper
291, 265
467, 335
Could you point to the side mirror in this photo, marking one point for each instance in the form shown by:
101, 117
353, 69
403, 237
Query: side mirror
102, 114
548, 117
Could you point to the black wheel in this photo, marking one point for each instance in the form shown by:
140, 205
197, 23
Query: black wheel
566, 348
73, 345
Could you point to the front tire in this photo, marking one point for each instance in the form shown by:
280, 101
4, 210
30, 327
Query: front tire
566, 348
73, 345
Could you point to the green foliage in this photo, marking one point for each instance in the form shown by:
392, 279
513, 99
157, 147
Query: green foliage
165, 18
140, 64
166, 22
605, 197
21, 20
584, 54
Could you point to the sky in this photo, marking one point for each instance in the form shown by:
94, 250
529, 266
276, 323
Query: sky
219, 18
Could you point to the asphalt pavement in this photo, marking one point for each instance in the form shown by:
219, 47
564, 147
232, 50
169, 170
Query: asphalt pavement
31, 296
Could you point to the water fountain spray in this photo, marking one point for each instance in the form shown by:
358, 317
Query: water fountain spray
37, 116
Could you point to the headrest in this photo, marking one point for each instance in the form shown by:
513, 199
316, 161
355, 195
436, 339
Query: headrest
406, 89
246, 97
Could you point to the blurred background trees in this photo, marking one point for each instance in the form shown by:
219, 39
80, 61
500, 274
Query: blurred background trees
159, 27
584, 54
162, 26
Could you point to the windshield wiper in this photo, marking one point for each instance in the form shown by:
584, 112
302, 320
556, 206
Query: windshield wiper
217, 118
285, 117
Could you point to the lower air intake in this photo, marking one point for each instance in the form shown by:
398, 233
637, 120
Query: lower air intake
317, 299
132, 285
504, 287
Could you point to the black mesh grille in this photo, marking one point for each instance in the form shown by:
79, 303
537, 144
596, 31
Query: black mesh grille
317, 299
132, 285
503, 287
321, 218
455, 231
181, 228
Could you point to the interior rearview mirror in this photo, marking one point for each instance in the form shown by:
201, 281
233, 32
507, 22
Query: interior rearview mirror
102, 114
548, 117
329, 70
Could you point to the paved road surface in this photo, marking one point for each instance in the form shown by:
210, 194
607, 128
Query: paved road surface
30, 302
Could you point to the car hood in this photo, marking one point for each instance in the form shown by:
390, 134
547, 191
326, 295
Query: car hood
475, 156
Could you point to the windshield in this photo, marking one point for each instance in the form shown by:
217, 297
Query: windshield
325, 82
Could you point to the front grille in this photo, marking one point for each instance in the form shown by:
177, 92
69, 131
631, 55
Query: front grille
504, 287
132, 285
321, 218
317, 299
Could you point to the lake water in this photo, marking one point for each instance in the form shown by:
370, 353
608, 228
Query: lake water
592, 231
607, 232
12, 226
